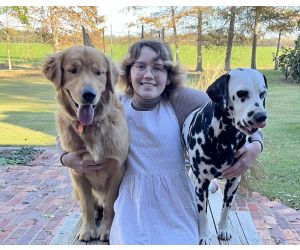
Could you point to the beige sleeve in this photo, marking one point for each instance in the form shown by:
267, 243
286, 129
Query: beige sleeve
258, 136
185, 100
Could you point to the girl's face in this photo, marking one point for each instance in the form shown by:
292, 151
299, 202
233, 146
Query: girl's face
149, 77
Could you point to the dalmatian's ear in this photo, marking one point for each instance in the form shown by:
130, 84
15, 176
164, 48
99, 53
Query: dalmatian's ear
266, 83
218, 91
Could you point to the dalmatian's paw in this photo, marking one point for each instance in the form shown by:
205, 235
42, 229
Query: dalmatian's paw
224, 235
204, 241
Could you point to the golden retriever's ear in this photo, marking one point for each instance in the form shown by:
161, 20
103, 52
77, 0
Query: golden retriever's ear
112, 76
52, 69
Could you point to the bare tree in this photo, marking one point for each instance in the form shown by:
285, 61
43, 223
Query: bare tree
174, 26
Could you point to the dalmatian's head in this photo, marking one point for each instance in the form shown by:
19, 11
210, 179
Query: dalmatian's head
242, 92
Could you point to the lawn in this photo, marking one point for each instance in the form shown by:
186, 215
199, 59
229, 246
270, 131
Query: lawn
281, 156
27, 118
27, 111
213, 57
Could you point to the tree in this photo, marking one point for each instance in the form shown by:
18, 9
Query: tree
195, 18
253, 19
284, 20
230, 38
59, 21
199, 40
166, 17
21, 14
257, 12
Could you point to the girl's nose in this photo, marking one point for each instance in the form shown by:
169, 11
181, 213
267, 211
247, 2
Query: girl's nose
148, 73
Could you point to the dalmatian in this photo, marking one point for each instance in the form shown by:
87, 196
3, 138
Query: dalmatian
212, 134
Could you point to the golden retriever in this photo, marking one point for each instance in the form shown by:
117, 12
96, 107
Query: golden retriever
91, 117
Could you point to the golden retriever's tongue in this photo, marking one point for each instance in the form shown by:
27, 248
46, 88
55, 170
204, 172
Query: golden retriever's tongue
86, 115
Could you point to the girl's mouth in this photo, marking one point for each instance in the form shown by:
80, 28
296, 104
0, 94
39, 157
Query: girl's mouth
148, 84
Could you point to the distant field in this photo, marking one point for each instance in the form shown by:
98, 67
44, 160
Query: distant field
213, 57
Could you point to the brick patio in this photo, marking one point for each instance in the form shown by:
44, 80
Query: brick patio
35, 199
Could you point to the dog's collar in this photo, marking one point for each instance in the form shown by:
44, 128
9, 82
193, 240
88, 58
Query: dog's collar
80, 128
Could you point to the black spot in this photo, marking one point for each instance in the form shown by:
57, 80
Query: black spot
250, 113
205, 171
233, 98
231, 108
213, 171
256, 104
200, 208
205, 185
199, 141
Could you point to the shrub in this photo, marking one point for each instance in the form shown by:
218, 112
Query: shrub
289, 62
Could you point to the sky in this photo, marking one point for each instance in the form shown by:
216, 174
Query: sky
117, 20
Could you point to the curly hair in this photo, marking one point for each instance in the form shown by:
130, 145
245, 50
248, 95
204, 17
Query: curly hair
176, 74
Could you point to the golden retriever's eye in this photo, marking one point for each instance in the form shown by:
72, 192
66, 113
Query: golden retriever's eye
73, 70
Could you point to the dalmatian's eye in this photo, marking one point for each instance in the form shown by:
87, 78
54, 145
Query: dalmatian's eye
242, 94
262, 95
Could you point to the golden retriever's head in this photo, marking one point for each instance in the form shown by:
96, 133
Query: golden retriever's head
84, 77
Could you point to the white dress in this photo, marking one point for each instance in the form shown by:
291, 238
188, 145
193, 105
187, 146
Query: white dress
156, 202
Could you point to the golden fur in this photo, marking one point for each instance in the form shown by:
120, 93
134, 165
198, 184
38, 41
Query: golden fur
106, 138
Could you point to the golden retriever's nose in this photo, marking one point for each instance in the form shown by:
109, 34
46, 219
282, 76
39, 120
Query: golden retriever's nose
88, 94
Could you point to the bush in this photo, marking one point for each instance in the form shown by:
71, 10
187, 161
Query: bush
289, 62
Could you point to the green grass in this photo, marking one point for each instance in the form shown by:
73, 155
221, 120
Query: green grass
25, 53
27, 112
281, 156
213, 57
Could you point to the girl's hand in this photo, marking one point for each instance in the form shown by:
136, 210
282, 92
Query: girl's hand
75, 161
246, 156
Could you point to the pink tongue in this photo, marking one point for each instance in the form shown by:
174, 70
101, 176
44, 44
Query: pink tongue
86, 115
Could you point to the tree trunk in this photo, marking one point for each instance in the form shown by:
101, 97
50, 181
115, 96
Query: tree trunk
8, 45
199, 42
163, 34
8, 55
277, 50
142, 36
54, 27
254, 39
175, 33
103, 40
230, 39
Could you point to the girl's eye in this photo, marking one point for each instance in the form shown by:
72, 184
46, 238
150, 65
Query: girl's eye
141, 67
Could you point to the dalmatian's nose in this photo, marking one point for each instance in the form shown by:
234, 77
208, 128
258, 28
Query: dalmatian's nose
260, 117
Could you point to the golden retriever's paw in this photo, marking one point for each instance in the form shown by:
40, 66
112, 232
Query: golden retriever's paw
88, 232
104, 232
